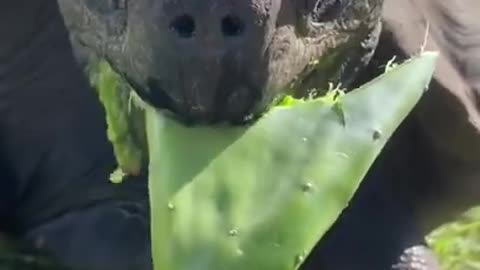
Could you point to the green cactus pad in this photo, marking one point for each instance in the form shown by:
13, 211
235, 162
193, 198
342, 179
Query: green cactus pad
260, 197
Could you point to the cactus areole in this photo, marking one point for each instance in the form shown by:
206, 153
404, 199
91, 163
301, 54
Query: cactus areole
260, 197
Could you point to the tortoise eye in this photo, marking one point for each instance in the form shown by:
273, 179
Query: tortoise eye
327, 10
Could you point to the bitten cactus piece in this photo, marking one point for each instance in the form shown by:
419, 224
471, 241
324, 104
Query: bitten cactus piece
260, 197
125, 119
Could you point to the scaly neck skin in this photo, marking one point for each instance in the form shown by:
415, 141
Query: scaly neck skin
25, 30
34, 39
36, 68
22, 28
53, 135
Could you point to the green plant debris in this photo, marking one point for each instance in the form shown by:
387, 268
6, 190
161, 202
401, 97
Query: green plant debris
125, 120
458, 243
391, 64
259, 197
117, 176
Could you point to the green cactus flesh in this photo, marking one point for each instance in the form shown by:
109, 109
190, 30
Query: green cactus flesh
125, 120
260, 197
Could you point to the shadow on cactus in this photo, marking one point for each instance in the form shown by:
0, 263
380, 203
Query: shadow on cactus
260, 196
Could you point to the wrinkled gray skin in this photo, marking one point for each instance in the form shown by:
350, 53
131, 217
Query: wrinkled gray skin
226, 60
211, 60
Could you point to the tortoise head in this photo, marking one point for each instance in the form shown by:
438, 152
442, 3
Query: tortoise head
215, 60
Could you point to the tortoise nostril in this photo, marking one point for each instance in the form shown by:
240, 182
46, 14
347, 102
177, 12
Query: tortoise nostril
183, 26
232, 26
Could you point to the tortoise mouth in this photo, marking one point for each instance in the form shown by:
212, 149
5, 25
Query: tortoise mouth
236, 105
157, 99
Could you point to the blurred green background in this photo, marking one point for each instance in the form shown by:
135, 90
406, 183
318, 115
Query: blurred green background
458, 243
